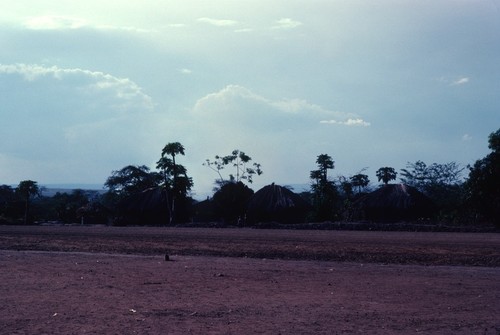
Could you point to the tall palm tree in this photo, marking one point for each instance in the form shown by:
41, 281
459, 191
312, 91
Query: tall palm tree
179, 183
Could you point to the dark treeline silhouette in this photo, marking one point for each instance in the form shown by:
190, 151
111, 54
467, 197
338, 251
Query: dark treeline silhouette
136, 195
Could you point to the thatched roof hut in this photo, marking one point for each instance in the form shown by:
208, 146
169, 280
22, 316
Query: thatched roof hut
276, 203
394, 202
148, 207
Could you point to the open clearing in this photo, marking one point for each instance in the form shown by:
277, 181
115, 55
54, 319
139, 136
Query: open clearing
112, 280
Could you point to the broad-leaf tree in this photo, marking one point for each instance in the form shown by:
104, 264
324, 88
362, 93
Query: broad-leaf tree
386, 174
241, 164
423, 177
483, 185
7, 198
28, 189
132, 179
440, 182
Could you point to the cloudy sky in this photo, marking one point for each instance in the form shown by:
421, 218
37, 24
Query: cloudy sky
88, 87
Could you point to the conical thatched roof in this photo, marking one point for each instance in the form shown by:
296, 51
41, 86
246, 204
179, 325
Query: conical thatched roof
144, 208
277, 203
394, 203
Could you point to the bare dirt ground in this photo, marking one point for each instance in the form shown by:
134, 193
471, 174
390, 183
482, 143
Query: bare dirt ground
111, 280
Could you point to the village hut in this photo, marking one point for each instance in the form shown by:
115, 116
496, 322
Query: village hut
394, 202
204, 211
274, 203
149, 207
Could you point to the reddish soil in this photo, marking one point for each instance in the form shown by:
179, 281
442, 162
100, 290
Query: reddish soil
109, 280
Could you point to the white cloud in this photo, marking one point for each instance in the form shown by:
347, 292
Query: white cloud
218, 22
244, 30
185, 71
348, 122
466, 137
239, 103
69, 118
453, 81
54, 23
270, 130
287, 23
460, 81
127, 93
176, 25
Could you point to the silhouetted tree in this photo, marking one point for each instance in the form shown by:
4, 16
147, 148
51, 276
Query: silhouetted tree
239, 161
28, 189
442, 183
424, 177
324, 192
8, 208
386, 174
360, 181
132, 179
483, 184
175, 179
67, 205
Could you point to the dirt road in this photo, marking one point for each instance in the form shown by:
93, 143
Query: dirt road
105, 280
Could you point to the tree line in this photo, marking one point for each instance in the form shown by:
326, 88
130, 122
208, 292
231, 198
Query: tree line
473, 199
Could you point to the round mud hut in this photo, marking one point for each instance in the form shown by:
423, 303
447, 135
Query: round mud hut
392, 203
274, 203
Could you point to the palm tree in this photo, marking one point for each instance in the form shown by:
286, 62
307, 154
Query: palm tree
174, 175
172, 149
325, 163
324, 190
360, 181
386, 174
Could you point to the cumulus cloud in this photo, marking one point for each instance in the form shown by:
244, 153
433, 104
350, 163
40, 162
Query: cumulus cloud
217, 22
269, 129
287, 23
127, 93
70, 117
239, 104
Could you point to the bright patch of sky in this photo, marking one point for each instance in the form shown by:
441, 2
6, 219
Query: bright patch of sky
89, 87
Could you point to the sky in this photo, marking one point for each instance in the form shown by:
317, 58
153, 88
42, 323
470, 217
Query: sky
89, 87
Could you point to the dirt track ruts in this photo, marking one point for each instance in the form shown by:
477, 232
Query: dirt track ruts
470, 249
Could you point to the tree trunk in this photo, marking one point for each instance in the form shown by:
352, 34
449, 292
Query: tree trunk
26, 211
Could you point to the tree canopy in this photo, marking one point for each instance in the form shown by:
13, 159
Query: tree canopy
475, 198
240, 162
386, 174
483, 185
324, 192
360, 181
28, 189
132, 179
175, 176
